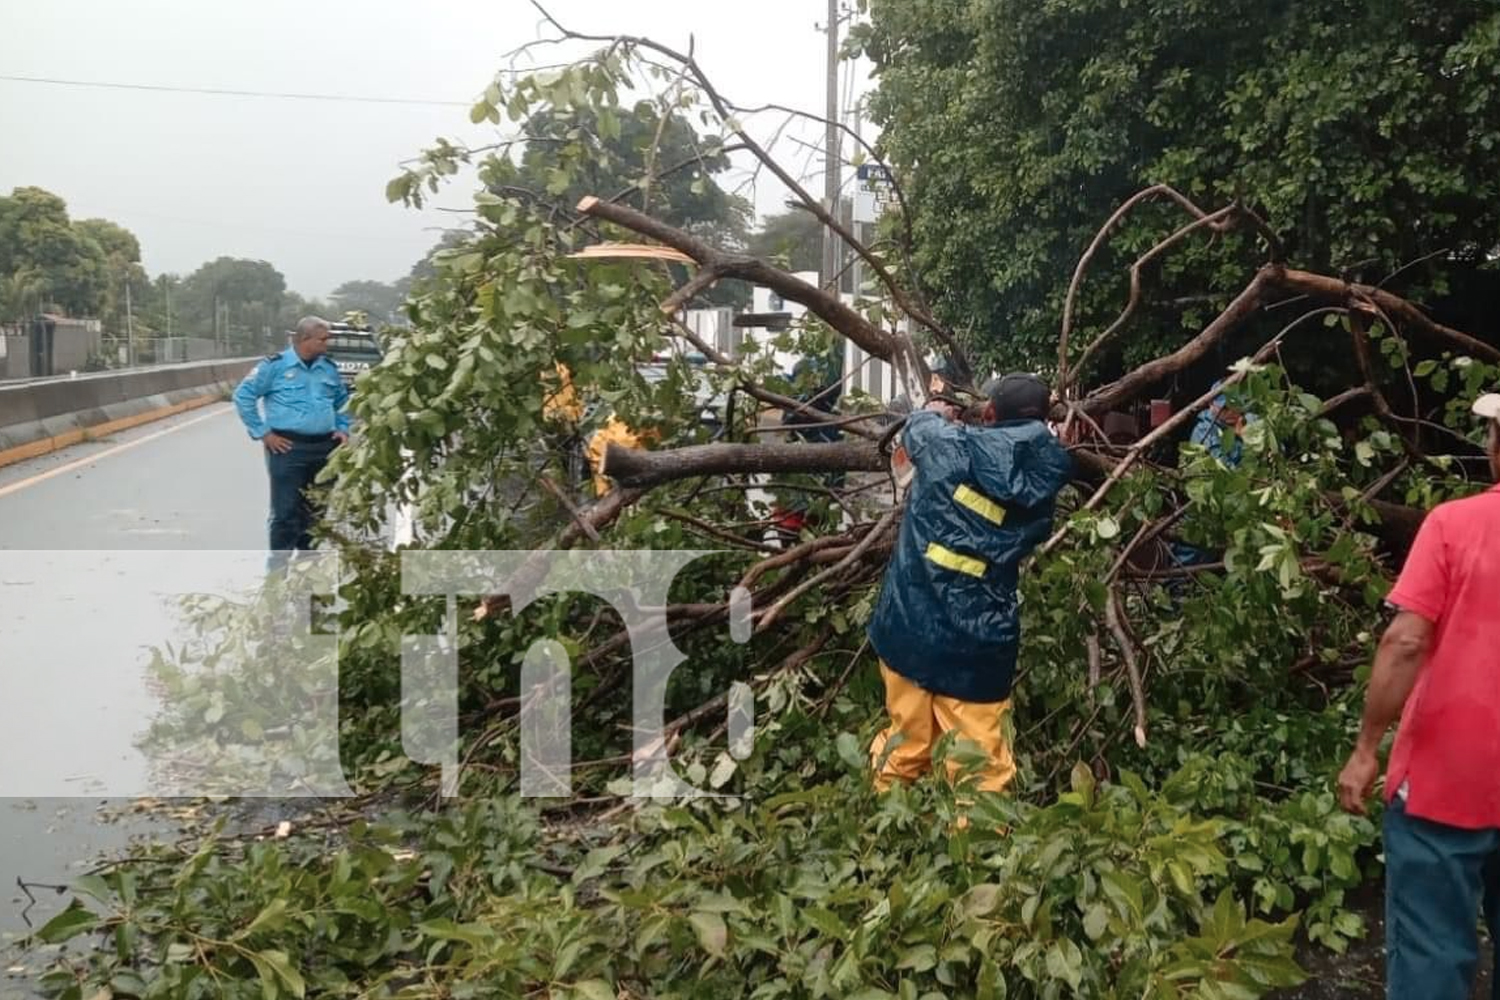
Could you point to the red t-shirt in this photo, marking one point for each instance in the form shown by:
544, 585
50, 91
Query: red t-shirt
1448, 745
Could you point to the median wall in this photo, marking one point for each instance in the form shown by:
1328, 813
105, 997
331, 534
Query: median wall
42, 415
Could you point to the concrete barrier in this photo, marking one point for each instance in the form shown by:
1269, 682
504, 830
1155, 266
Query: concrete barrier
38, 416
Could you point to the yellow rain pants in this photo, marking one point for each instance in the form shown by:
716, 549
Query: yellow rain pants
921, 717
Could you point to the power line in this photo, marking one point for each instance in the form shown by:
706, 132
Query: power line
349, 98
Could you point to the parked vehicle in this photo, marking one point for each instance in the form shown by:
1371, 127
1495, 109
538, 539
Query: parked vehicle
353, 349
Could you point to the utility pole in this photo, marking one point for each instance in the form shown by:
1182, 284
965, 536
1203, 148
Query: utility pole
855, 226
129, 325
831, 153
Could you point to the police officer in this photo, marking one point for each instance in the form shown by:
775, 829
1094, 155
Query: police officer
304, 421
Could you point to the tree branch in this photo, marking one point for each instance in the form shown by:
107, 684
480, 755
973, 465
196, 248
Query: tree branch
1113, 616
1214, 222
1219, 221
637, 468
775, 610
911, 369
1093, 248
1180, 417
1334, 290
846, 321
1244, 305
921, 312
754, 391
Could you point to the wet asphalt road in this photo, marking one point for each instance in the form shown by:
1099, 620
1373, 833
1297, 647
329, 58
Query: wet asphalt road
86, 535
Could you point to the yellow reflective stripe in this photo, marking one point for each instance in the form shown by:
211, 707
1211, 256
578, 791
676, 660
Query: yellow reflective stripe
980, 504
948, 559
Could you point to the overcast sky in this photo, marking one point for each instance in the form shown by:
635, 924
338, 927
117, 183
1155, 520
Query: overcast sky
301, 183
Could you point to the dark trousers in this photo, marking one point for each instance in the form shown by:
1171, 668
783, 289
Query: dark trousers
295, 504
1436, 879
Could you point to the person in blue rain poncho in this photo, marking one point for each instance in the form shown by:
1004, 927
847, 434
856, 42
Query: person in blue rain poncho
1217, 430
946, 625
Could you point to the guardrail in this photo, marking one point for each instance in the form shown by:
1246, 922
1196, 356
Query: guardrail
44, 414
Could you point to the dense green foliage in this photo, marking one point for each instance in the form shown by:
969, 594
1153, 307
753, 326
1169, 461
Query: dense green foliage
47, 261
1020, 127
93, 268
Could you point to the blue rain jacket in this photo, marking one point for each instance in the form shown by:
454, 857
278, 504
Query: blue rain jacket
948, 617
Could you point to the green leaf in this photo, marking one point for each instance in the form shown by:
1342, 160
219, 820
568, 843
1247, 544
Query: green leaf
723, 771
75, 920
595, 862
1065, 962
594, 989
981, 900
1107, 528
275, 970
1082, 779
473, 934
1125, 891
919, 958
850, 752
1182, 878
93, 885
437, 361
824, 921
269, 918
1227, 919
1095, 922
286, 972
713, 934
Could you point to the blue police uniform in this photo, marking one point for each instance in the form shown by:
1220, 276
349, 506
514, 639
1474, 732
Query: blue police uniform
304, 403
948, 617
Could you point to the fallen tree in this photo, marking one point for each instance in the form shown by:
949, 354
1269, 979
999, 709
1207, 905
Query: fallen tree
1192, 631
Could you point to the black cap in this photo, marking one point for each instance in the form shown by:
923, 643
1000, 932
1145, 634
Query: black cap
1019, 396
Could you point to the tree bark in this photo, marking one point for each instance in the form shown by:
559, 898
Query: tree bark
638, 469
1333, 290
824, 305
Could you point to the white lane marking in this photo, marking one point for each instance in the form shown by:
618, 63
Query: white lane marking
80, 463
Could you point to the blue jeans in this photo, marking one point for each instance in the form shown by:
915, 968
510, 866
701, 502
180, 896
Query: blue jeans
1436, 879
295, 507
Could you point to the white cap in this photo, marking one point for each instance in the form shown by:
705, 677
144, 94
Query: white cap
1488, 406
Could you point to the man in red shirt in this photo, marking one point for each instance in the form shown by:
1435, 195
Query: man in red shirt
1438, 668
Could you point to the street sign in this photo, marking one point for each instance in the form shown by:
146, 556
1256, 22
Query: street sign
874, 191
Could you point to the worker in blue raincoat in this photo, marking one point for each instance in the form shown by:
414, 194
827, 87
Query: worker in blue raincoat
1210, 431
947, 624
1212, 423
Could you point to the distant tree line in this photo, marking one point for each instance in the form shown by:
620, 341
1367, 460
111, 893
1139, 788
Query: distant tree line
50, 263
